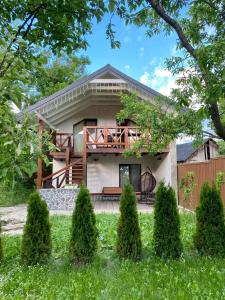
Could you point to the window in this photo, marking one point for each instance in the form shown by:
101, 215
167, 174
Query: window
130, 173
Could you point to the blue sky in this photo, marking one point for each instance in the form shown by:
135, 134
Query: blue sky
140, 57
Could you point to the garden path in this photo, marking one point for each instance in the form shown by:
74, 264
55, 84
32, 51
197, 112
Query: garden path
13, 218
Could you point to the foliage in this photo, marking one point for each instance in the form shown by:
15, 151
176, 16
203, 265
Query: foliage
55, 73
16, 194
128, 243
110, 278
27, 30
209, 238
19, 146
198, 65
36, 241
220, 180
83, 243
158, 126
221, 149
187, 184
1, 251
166, 237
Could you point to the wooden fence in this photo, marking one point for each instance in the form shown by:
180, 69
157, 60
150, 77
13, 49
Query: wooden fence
204, 171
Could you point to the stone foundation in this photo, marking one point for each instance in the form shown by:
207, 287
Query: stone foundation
60, 199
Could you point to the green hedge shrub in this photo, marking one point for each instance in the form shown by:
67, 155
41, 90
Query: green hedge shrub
1, 251
83, 243
129, 243
166, 235
209, 238
36, 240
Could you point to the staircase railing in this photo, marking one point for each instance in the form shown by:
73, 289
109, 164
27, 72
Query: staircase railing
61, 177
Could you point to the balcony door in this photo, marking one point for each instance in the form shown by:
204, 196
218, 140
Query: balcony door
78, 133
130, 173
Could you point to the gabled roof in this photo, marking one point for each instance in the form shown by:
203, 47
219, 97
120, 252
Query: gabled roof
186, 150
107, 76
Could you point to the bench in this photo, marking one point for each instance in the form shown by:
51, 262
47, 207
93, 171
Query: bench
111, 191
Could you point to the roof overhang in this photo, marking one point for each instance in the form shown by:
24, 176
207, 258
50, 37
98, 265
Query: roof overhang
102, 87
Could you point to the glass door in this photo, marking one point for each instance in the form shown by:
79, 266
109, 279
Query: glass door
78, 133
130, 173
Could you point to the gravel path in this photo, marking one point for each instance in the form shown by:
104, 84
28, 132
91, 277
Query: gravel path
13, 218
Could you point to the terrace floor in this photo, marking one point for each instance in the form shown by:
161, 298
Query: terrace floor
13, 218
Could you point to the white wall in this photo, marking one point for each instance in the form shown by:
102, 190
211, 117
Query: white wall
105, 115
103, 171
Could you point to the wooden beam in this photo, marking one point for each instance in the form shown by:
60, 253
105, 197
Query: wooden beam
40, 135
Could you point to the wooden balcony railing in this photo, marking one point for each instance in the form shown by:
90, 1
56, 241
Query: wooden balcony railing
63, 140
119, 138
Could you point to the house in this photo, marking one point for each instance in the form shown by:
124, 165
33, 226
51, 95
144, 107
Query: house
91, 143
187, 153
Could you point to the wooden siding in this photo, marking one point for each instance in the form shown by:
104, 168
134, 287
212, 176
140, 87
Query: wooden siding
204, 171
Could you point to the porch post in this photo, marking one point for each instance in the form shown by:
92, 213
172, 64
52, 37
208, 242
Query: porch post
40, 134
84, 156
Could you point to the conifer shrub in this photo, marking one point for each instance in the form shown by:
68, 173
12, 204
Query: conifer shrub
1, 251
166, 234
36, 240
209, 238
84, 233
129, 245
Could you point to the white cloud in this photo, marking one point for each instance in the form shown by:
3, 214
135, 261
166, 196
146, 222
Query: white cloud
141, 51
145, 78
127, 67
160, 79
159, 72
152, 61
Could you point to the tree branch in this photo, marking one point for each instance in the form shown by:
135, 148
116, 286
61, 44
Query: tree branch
174, 24
31, 17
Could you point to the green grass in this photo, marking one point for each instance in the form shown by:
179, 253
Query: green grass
17, 194
191, 277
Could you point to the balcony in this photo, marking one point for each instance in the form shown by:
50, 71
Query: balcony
100, 139
96, 139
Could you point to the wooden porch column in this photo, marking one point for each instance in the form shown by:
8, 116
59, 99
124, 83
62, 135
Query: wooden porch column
40, 134
84, 156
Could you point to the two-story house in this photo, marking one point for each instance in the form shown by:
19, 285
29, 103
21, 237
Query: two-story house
82, 118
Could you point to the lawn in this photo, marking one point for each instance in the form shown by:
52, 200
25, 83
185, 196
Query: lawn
191, 277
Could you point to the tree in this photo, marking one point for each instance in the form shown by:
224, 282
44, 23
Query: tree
1, 251
166, 235
221, 150
28, 28
198, 65
209, 238
83, 242
36, 240
55, 73
128, 245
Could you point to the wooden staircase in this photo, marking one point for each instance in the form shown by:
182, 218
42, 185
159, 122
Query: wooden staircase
73, 172
70, 174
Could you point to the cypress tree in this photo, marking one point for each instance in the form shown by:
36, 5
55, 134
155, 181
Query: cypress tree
1, 251
83, 243
129, 243
166, 235
209, 238
36, 240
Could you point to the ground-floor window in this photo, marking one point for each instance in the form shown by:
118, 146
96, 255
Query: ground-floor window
130, 173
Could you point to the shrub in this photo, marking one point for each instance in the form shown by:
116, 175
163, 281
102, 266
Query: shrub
83, 243
209, 238
36, 241
1, 252
166, 235
129, 243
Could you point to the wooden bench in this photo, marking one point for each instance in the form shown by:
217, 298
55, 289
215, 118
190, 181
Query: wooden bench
111, 191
